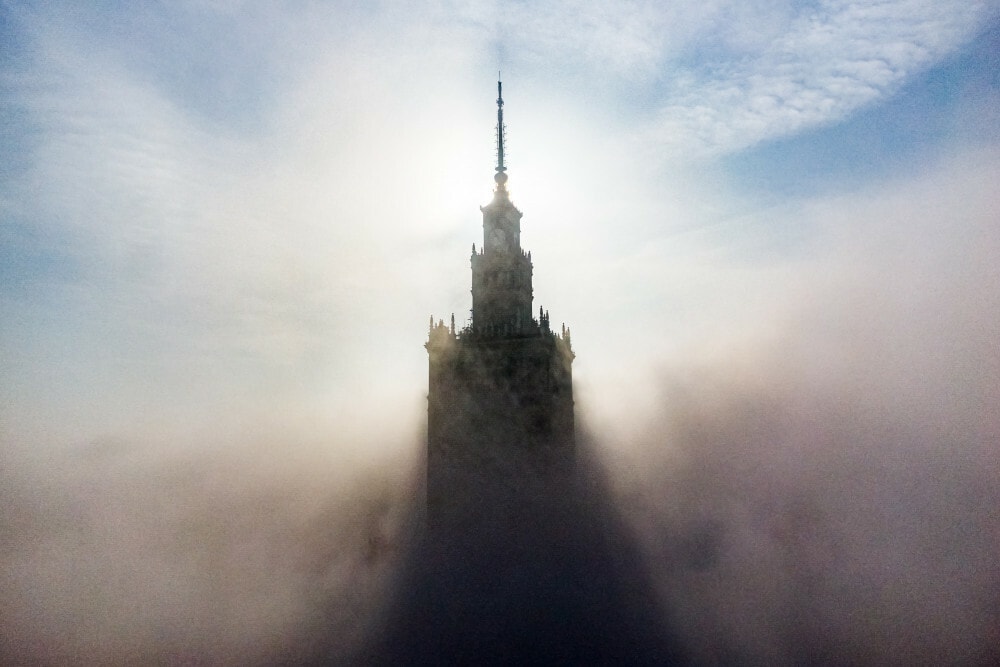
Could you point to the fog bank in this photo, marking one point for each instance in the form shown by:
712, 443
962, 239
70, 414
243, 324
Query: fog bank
828, 494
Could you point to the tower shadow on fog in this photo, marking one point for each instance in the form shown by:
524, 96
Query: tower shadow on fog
522, 559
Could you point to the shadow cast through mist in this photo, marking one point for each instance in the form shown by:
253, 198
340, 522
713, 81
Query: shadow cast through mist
555, 578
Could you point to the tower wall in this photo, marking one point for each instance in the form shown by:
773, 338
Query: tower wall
500, 425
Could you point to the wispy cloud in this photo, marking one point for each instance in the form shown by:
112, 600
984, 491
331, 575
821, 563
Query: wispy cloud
191, 256
716, 77
829, 61
236, 220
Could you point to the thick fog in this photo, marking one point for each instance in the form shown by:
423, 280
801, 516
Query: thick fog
773, 233
823, 492
828, 494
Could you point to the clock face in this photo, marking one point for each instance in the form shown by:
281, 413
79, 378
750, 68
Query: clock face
499, 240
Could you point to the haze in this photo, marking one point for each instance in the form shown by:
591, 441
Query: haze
771, 226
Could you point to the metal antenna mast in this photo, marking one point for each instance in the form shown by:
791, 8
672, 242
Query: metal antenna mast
500, 177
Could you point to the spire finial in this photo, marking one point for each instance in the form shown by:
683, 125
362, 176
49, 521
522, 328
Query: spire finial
501, 177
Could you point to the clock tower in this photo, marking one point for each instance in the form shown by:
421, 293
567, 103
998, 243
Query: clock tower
500, 397
523, 561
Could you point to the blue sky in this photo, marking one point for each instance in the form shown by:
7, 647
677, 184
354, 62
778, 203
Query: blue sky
136, 138
230, 218
935, 110
240, 195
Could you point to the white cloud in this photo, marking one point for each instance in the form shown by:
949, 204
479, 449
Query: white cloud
282, 272
827, 63
721, 76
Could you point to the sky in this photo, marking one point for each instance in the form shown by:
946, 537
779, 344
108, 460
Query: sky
771, 226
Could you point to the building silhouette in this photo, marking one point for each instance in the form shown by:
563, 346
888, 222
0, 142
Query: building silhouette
500, 432
522, 560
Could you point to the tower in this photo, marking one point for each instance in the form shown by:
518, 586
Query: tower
524, 561
500, 432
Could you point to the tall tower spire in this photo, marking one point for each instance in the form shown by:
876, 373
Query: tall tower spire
501, 176
500, 397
